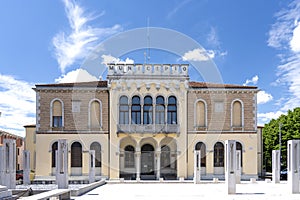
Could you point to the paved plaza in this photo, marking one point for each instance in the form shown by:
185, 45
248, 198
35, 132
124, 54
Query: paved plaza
205, 190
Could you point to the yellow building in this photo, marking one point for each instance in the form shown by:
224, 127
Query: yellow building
145, 122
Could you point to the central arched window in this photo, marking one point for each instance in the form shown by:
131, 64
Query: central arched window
76, 155
160, 110
123, 110
57, 113
172, 110
237, 114
95, 114
136, 110
219, 155
148, 110
129, 156
200, 114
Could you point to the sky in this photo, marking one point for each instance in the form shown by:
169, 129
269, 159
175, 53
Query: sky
251, 43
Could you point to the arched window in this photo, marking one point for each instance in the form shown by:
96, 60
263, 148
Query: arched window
219, 155
200, 146
200, 114
239, 147
148, 110
237, 114
160, 110
123, 110
95, 114
165, 156
53, 152
172, 110
136, 110
76, 155
57, 114
129, 156
97, 148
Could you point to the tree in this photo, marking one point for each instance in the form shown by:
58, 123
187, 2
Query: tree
290, 129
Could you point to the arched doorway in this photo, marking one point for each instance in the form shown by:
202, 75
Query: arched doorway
147, 162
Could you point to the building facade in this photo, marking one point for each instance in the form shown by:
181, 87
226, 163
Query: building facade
145, 122
19, 147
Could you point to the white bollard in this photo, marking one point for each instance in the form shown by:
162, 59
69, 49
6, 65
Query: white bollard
230, 166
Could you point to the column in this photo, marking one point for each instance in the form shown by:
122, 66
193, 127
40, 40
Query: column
158, 163
238, 166
92, 166
26, 167
276, 166
10, 163
138, 163
197, 166
293, 165
230, 166
62, 164
2, 165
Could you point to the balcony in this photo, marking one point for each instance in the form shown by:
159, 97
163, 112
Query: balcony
148, 128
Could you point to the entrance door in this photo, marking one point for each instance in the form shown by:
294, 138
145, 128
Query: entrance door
147, 162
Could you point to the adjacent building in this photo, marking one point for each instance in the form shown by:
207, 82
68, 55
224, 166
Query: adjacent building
19, 146
145, 122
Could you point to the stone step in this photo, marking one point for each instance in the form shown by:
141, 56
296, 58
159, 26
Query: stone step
3, 188
5, 194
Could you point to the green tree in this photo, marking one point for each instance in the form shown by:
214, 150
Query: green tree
290, 129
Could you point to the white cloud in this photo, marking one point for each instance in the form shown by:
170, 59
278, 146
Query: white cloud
110, 59
253, 80
17, 104
295, 41
177, 8
263, 97
74, 46
266, 117
197, 55
78, 75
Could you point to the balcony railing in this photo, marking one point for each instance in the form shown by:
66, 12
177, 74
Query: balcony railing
148, 128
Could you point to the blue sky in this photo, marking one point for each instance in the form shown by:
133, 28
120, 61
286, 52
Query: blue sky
251, 42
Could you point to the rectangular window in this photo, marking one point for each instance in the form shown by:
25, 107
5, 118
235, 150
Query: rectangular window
129, 159
57, 121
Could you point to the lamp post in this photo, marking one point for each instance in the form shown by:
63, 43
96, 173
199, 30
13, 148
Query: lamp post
280, 124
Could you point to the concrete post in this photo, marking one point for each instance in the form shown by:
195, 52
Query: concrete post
92, 166
138, 165
10, 163
293, 165
62, 164
238, 170
2, 165
230, 166
26, 167
197, 166
276, 166
158, 165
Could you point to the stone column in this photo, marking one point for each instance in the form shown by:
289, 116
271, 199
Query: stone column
293, 165
276, 166
238, 166
230, 166
62, 164
2, 165
92, 166
158, 164
138, 165
10, 163
26, 167
197, 166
